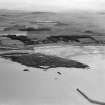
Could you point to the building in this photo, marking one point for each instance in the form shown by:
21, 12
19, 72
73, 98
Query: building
45, 23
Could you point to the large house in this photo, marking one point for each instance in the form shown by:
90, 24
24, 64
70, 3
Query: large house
45, 23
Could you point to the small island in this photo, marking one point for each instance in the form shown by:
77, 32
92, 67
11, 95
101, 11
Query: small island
43, 61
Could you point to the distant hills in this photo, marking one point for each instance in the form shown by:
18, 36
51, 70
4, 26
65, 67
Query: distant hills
77, 22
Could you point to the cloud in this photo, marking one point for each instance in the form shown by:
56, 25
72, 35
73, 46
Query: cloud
53, 4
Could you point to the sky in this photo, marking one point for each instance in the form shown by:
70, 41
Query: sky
53, 5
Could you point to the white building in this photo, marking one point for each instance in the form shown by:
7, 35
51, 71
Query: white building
45, 23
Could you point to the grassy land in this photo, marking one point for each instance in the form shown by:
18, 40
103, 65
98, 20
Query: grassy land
42, 61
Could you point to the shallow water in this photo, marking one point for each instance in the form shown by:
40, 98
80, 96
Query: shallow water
48, 88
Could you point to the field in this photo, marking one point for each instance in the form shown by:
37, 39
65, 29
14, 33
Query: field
78, 21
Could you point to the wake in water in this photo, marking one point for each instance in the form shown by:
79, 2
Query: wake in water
89, 99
